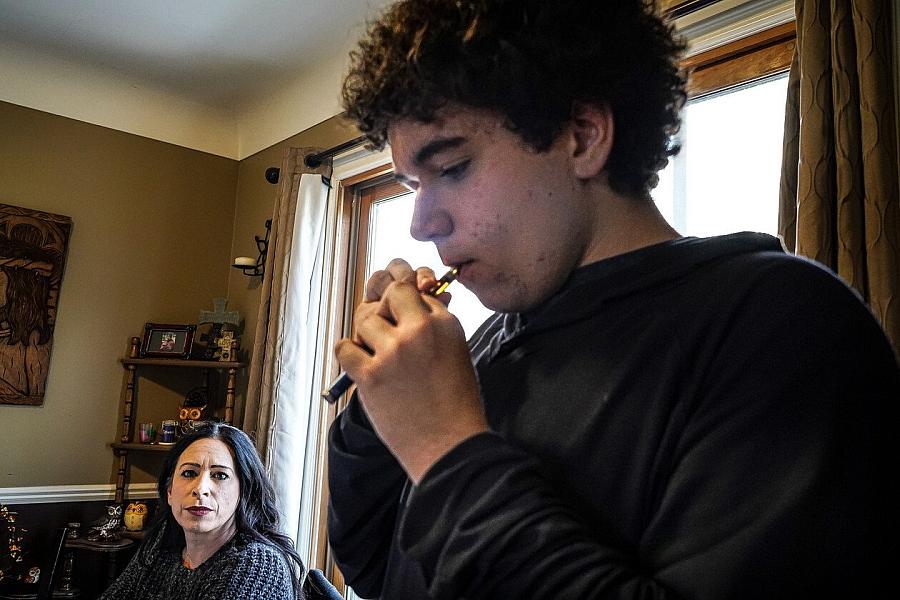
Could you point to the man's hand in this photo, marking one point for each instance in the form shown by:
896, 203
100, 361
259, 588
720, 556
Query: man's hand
412, 368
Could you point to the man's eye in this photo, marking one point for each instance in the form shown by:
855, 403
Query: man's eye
456, 171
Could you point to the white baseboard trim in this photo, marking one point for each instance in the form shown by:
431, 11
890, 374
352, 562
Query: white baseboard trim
74, 493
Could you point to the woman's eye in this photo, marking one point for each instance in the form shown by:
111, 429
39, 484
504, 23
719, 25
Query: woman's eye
220, 476
189, 473
456, 171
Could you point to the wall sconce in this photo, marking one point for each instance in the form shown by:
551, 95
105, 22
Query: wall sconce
254, 267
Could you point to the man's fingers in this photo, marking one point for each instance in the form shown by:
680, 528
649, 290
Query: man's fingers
396, 270
401, 301
425, 279
362, 313
376, 285
374, 321
399, 269
350, 356
371, 331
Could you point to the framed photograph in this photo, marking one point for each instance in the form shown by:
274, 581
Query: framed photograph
167, 340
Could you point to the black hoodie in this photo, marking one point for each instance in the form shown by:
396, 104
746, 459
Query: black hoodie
702, 418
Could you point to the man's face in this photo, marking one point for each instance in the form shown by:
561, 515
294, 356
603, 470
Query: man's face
205, 489
517, 221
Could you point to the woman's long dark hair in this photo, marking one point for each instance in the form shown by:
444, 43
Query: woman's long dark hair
256, 515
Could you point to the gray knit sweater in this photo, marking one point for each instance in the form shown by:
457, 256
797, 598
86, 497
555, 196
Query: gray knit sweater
241, 569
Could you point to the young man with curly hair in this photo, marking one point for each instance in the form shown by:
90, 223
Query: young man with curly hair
647, 415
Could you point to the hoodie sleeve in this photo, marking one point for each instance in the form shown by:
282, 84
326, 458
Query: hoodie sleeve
365, 482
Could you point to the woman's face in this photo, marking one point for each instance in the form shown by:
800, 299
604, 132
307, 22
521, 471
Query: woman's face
205, 490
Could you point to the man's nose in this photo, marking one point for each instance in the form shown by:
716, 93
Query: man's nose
430, 220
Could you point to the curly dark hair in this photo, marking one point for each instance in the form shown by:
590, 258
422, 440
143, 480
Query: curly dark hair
530, 61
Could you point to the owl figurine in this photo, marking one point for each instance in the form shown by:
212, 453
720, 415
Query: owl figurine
193, 410
135, 513
109, 527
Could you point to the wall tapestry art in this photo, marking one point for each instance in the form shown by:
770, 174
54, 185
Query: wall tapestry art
33, 248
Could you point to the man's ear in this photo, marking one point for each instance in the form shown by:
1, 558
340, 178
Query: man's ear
592, 132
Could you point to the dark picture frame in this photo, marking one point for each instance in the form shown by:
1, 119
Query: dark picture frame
166, 340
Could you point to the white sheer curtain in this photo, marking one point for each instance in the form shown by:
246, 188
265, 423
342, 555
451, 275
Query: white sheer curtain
291, 452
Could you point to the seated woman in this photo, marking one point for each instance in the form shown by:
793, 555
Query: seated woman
216, 533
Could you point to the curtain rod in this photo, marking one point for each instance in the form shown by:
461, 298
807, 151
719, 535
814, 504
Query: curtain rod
315, 160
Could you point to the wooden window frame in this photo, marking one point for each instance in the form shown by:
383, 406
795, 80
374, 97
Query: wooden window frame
743, 61
382, 188
355, 196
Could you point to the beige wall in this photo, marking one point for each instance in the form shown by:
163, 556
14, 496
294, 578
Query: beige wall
151, 241
254, 202
155, 226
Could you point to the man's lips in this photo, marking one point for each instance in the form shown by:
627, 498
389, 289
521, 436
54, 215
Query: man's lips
199, 511
457, 263
464, 267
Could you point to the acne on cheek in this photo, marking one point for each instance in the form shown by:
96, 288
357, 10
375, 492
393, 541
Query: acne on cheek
486, 230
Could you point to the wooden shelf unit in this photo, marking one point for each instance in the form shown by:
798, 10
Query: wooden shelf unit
141, 447
126, 443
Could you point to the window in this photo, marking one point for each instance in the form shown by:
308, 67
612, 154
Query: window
727, 175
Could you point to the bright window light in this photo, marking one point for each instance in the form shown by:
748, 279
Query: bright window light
727, 175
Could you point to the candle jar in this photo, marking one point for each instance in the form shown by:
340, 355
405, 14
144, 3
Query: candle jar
167, 432
146, 433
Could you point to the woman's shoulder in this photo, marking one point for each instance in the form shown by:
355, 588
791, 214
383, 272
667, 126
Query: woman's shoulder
252, 569
256, 554
246, 544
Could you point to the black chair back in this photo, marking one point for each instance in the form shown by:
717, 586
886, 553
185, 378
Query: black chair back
45, 591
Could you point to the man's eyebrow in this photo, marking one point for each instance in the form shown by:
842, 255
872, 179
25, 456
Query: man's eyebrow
428, 151
434, 147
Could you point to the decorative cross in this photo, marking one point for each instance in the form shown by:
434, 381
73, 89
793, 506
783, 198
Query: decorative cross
219, 314
226, 339
226, 344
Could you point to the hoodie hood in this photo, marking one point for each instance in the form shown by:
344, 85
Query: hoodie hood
619, 276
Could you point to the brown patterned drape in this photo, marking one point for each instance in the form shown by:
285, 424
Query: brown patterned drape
258, 407
839, 189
